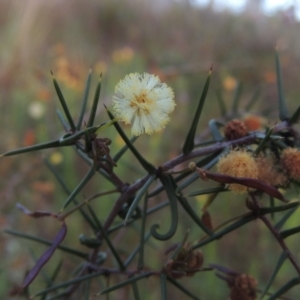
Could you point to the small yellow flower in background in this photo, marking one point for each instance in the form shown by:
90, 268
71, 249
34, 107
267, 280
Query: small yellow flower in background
56, 158
238, 163
143, 101
229, 83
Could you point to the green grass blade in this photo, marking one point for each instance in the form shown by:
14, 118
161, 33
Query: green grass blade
145, 164
95, 103
281, 260
84, 99
189, 142
138, 197
63, 103
47, 242
283, 112
80, 186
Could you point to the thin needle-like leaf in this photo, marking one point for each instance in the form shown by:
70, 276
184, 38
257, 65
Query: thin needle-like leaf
47, 145
282, 221
281, 260
95, 103
136, 251
124, 149
47, 242
145, 164
106, 238
61, 181
142, 243
163, 285
67, 283
263, 142
286, 233
135, 290
138, 197
84, 100
285, 288
189, 142
295, 117
63, 103
124, 283
283, 112
182, 288
208, 191
80, 186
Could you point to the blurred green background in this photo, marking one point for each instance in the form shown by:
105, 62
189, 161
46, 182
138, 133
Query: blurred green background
179, 42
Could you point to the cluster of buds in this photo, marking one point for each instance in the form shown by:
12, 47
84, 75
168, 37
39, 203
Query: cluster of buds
275, 172
186, 263
236, 129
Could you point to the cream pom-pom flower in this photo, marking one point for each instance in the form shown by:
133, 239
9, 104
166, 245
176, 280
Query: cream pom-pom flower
143, 101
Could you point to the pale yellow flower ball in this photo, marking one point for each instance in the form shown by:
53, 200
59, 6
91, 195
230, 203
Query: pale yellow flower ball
144, 102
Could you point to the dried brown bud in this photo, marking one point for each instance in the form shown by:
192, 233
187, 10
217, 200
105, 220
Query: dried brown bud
186, 263
243, 288
235, 129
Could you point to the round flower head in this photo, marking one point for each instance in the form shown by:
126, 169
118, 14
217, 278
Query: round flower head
238, 163
144, 102
290, 162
